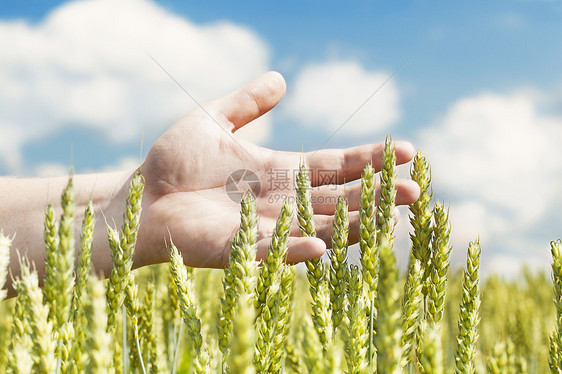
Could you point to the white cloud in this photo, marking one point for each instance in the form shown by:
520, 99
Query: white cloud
125, 163
51, 170
498, 158
86, 65
325, 95
509, 266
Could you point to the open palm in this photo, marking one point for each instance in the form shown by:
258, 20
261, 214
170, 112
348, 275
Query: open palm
187, 181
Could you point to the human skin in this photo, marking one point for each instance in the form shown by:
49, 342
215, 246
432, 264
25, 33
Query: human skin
185, 196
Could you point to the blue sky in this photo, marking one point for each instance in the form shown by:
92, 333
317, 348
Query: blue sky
480, 94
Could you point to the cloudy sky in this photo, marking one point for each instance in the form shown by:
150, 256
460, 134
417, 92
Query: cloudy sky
476, 86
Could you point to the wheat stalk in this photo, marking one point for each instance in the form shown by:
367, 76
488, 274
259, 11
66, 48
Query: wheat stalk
242, 344
51, 248
99, 340
118, 362
171, 319
189, 309
556, 250
429, 349
319, 289
122, 249
388, 338
266, 329
305, 215
293, 358
64, 276
387, 199
245, 265
338, 261
36, 316
367, 230
133, 310
85, 257
369, 248
554, 354
502, 360
117, 280
469, 312
281, 330
84, 267
147, 329
439, 263
241, 273
20, 358
225, 317
413, 298
313, 354
276, 254
355, 347
420, 218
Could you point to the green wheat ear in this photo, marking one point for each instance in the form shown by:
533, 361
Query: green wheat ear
421, 214
281, 332
388, 338
51, 247
369, 249
240, 276
36, 315
469, 312
387, 200
319, 288
85, 257
78, 317
439, 263
147, 328
338, 261
367, 230
266, 329
305, 216
356, 337
189, 310
242, 344
556, 340
59, 264
502, 360
122, 250
412, 303
429, 349
276, 254
98, 347
19, 354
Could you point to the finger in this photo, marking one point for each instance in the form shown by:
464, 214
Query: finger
337, 166
299, 249
251, 101
325, 198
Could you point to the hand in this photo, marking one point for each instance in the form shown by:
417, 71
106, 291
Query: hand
186, 173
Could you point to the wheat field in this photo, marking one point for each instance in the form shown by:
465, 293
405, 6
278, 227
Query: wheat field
334, 317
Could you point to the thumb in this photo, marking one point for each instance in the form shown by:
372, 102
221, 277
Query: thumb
251, 101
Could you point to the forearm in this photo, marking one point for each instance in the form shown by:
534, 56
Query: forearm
22, 214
